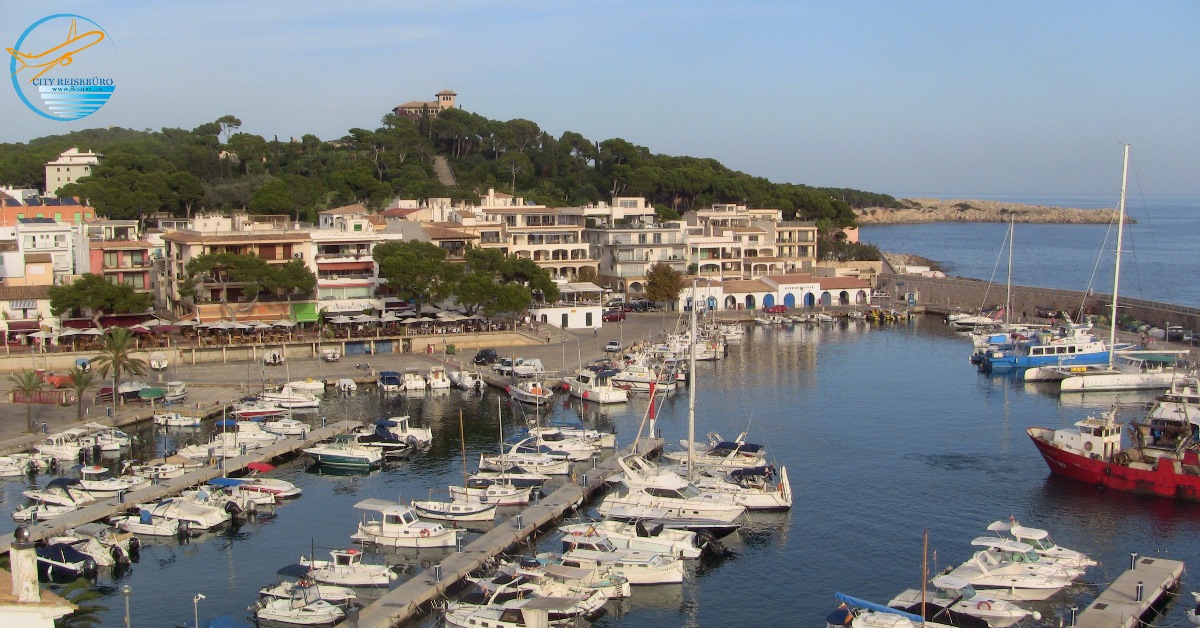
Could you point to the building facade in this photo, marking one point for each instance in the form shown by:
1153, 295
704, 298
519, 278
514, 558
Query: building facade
69, 167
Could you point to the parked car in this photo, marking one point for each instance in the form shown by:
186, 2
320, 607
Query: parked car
775, 309
617, 302
613, 346
614, 315
485, 356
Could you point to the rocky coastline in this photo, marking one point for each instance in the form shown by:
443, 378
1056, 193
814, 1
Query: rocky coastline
922, 210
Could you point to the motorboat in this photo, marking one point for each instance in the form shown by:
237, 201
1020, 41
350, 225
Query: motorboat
1008, 580
108, 438
590, 386
958, 595
514, 476
344, 451
467, 380
233, 490
603, 440
62, 492
144, 523
1022, 553
99, 482
280, 489
537, 463
660, 494
1072, 345
539, 585
390, 381
63, 563
258, 409
517, 612
11, 466
552, 442
315, 386
158, 361
194, 516
345, 386
613, 587
41, 511
106, 545
736, 454
381, 438
636, 566
857, 613
531, 367
64, 445
497, 494
176, 391
412, 380
399, 526
288, 397
1041, 543
338, 596
347, 570
164, 468
437, 378
455, 510
530, 391
286, 426
331, 355
176, 419
756, 488
273, 357
303, 609
403, 428
639, 376
611, 535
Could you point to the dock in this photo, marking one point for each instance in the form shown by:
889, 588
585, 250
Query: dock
408, 600
1141, 590
165, 488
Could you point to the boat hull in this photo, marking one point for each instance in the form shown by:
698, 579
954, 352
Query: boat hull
1165, 479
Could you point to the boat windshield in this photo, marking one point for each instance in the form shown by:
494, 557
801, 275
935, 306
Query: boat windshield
1040, 544
689, 492
967, 592
1024, 557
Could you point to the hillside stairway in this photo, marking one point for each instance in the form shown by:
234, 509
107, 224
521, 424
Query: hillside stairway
444, 172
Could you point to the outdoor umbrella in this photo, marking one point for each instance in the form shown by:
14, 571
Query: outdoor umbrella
44, 335
91, 331
187, 322
150, 324
341, 320
138, 329
365, 318
70, 331
284, 323
261, 325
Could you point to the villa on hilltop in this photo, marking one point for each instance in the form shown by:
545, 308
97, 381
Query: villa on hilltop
416, 109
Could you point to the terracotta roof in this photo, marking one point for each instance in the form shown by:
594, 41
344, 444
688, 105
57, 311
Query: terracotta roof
746, 285
121, 244
442, 233
418, 104
793, 278
446, 92
843, 283
18, 293
520, 209
377, 220
356, 208
400, 212
38, 258
193, 237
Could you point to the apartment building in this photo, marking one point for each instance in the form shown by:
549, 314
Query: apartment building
627, 238
70, 166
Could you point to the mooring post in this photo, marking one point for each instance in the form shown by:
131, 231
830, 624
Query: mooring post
1138, 597
1132, 561
437, 572
1073, 609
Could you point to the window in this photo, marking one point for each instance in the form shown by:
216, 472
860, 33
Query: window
110, 259
588, 319
358, 226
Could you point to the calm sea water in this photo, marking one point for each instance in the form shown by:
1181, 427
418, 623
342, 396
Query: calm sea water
1159, 262
886, 432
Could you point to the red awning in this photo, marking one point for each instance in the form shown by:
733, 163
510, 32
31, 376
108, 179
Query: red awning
368, 265
23, 326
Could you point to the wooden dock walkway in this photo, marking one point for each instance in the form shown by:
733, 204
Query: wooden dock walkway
407, 600
166, 488
1121, 606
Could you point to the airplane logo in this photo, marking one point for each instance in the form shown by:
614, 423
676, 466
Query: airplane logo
60, 55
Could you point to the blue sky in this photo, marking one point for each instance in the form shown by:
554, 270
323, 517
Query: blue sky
897, 97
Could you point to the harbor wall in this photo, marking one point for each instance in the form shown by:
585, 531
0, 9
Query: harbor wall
944, 294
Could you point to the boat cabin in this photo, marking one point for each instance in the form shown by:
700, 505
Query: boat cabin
1008, 549
1096, 437
346, 558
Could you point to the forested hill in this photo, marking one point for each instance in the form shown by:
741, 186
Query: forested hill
217, 166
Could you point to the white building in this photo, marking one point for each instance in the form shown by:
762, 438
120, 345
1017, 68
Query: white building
70, 166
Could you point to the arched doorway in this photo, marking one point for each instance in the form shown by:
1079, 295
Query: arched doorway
860, 297
826, 299
810, 299
749, 301
712, 303
844, 298
730, 302
768, 300
789, 300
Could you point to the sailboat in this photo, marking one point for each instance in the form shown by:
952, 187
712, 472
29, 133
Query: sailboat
1126, 370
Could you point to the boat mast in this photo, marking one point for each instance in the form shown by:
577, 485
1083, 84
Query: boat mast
1008, 295
691, 459
462, 436
1112, 331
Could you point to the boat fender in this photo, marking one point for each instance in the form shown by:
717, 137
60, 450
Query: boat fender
1088, 445
984, 605
424, 532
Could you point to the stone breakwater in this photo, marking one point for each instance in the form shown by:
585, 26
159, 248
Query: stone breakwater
919, 210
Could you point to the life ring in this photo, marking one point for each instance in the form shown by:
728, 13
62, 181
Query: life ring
984, 605
424, 532
1087, 446
585, 394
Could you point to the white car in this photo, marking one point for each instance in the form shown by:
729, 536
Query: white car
613, 346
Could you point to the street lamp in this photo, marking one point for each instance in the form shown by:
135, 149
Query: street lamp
196, 609
126, 590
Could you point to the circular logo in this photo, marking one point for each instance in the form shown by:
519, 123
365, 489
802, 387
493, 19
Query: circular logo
58, 67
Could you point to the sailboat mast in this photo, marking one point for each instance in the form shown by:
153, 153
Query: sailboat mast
691, 459
462, 436
1112, 332
1008, 295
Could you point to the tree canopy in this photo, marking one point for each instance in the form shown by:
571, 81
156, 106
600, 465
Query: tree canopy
98, 296
663, 283
251, 274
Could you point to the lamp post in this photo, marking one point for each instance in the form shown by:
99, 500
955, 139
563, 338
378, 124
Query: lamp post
196, 610
126, 590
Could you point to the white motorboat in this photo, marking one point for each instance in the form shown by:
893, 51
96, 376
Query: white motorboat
403, 429
390, 381
536, 463
288, 397
540, 585
41, 511
62, 492
107, 437
347, 570
280, 489
958, 595
646, 489
344, 451
856, 613
455, 510
315, 386
611, 535
164, 468
515, 613
345, 386
338, 596
399, 526
437, 378
591, 386
64, 445
467, 380
530, 391
639, 376
1041, 543
100, 482
106, 545
286, 427
331, 355
755, 488
554, 441
259, 409
636, 566
1023, 553
412, 380
176, 419
736, 454
613, 587
158, 361
497, 494
603, 440
176, 391
515, 476
144, 523
1012, 581
11, 466
195, 516
302, 610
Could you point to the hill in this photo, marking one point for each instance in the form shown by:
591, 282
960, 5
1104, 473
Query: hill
957, 210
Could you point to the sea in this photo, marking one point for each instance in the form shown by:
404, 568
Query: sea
1158, 263
887, 432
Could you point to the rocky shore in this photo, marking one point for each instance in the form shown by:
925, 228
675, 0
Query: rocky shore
919, 210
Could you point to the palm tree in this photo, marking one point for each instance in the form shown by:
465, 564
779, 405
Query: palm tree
27, 382
80, 593
81, 380
116, 357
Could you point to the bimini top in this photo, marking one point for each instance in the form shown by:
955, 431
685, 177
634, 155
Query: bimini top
728, 447
1006, 545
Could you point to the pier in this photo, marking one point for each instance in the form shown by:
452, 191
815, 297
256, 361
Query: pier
166, 488
1144, 587
408, 600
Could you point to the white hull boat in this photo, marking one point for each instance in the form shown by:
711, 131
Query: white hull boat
286, 427
496, 494
612, 535
146, 524
455, 510
535, 463
637, 567
399, 526
176, 391
533, 392
175, 419
588, 386
437, 379
966, 600
402, 428
466, 380
196, 516
299, 612
287, 397
41, 511
311, 385
347, 570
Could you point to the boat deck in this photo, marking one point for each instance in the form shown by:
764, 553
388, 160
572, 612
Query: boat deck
408, 600
1119, 605
166, 488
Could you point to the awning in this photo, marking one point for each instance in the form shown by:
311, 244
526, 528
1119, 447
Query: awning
22, 304
23, 325
345, 265
304, 312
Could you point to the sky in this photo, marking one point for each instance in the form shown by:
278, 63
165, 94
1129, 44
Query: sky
906, 98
